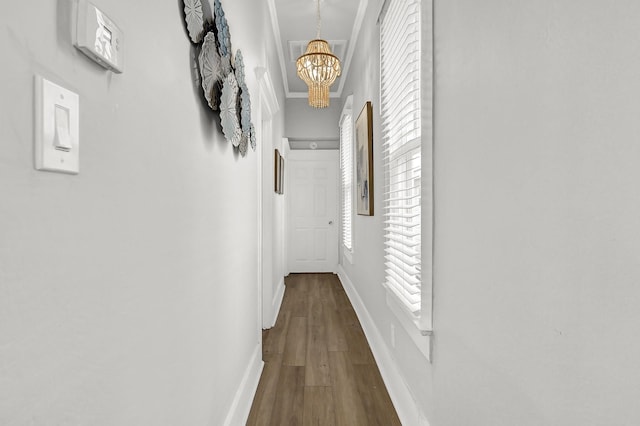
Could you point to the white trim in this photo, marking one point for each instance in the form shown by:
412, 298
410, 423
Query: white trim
427, 196
402, 398
276, 302
286, 153
353, 41
346, 115
267, 91
347, 108
276, 34
268, 108
382, 8
313, 155
241, 405
348, 254
404, 291
422, 338
303, 139
260, 213
266, 149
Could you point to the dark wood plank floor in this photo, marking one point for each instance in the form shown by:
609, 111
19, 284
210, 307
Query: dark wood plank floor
319, 369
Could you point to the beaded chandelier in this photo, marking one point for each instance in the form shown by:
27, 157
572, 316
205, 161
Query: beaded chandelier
318, 68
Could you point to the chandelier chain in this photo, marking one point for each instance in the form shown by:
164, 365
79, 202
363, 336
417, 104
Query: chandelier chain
318, 68
319, 25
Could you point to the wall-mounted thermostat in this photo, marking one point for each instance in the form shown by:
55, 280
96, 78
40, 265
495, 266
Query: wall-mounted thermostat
97, 36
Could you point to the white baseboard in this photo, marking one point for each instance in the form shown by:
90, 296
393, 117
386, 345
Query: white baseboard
401, 396
241, 405
276, 303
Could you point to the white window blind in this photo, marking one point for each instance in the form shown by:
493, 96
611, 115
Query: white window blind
401, 136
346, 168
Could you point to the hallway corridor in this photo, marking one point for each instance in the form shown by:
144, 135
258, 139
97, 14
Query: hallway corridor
319, 369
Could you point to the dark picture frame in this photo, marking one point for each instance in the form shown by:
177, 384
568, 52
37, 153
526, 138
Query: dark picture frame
364, 161
277, 177
281, 175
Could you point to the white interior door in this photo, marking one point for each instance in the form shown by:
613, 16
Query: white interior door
313, 211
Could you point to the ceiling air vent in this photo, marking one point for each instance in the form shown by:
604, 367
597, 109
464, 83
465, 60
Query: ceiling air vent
297, 48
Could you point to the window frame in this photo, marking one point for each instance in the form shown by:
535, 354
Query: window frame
419, 327
346, 116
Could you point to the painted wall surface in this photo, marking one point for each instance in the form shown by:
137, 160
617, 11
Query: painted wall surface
273, 257
537, 232
537, 237
305, 122
128, 293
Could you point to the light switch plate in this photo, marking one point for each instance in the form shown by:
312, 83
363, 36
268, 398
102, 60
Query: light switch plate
57, 128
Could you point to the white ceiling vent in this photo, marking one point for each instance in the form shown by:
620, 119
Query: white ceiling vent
297, 48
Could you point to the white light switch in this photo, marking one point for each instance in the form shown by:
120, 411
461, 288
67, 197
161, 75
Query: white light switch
57, 144
62, 140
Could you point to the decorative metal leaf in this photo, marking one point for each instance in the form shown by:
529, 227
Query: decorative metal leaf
225, 65
245, 109
193, 17
252, 137
195, 69
229, 110
244, 142
239, 63
245, 99
224, 39
210, 68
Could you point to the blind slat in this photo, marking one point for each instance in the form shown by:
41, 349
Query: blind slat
346, 166
400, 109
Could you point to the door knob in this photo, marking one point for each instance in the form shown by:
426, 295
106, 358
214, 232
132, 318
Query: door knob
330, 222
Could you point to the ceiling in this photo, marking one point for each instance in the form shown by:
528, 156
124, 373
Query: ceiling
294, 23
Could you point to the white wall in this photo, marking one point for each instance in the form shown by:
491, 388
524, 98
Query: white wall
537, 231
536, 219
305, 122
273, 257
128, 293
